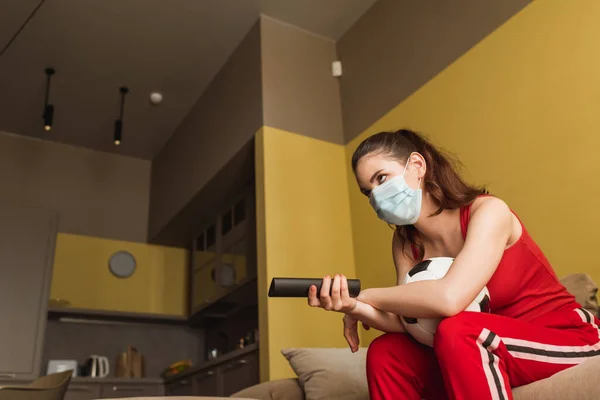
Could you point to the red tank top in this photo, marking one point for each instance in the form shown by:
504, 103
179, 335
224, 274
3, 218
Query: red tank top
524, 285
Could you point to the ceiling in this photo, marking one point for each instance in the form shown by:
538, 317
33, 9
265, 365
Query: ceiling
172, 46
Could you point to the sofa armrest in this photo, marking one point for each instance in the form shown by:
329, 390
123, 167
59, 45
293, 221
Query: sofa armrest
578, 382
279, 389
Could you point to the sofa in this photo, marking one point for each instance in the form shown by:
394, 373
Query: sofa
337, 373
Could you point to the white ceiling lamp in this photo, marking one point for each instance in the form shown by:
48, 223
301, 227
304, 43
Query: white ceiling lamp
156, 98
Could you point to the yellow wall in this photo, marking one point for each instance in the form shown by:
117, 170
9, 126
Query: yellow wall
304, 230
82, 277
521, 110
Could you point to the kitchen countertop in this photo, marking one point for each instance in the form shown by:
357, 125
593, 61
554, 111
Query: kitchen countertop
207, 364
117, 381
111, 380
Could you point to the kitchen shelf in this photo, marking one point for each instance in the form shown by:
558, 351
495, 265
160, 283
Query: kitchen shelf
83, 315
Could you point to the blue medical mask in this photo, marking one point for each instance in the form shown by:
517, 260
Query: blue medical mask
395, 202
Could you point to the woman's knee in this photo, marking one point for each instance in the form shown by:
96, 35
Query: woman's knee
401, 364
451, 329
396, 346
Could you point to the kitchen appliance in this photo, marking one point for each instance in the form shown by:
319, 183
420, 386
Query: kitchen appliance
129, 364
96, 367
213, 354
55, 366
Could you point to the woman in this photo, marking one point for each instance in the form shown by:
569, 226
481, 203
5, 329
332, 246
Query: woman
535, 329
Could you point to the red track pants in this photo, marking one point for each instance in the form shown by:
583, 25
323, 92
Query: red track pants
480, 356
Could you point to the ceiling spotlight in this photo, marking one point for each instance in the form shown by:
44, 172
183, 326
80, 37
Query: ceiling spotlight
118, 131
156, 98
119, 123
48, 115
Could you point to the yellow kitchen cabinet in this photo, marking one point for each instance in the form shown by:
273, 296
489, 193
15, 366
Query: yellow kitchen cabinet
81, 277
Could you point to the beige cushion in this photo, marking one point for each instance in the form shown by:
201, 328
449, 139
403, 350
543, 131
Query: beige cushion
584, 289
330, 373
280, 389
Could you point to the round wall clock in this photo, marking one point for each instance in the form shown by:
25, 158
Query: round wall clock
122, 264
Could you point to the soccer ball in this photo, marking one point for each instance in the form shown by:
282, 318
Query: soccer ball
423, 329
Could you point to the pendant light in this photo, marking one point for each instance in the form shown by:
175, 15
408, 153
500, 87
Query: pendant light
48, 115
119, 123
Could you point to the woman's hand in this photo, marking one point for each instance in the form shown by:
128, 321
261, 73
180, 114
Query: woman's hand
351, 332
339, 300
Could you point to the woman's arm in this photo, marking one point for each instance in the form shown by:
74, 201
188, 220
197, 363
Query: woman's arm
340, 301
490, 228
374, 318
383, 320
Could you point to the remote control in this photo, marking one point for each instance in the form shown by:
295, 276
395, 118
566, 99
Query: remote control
298, 287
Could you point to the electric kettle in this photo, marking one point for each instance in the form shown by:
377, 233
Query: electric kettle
97, 366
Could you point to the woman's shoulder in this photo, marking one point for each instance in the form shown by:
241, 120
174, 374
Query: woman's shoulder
489, 211
490, 205
492, 211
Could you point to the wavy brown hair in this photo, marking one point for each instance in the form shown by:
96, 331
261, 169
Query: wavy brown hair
441, 181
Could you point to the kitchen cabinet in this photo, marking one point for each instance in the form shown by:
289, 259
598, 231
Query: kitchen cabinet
206, 383
224, 253
238, 241
77, 391
125, 390
27, 242
220, 378
205, 284
239, 373
235, 256
84, 389
181, 387
204, 268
